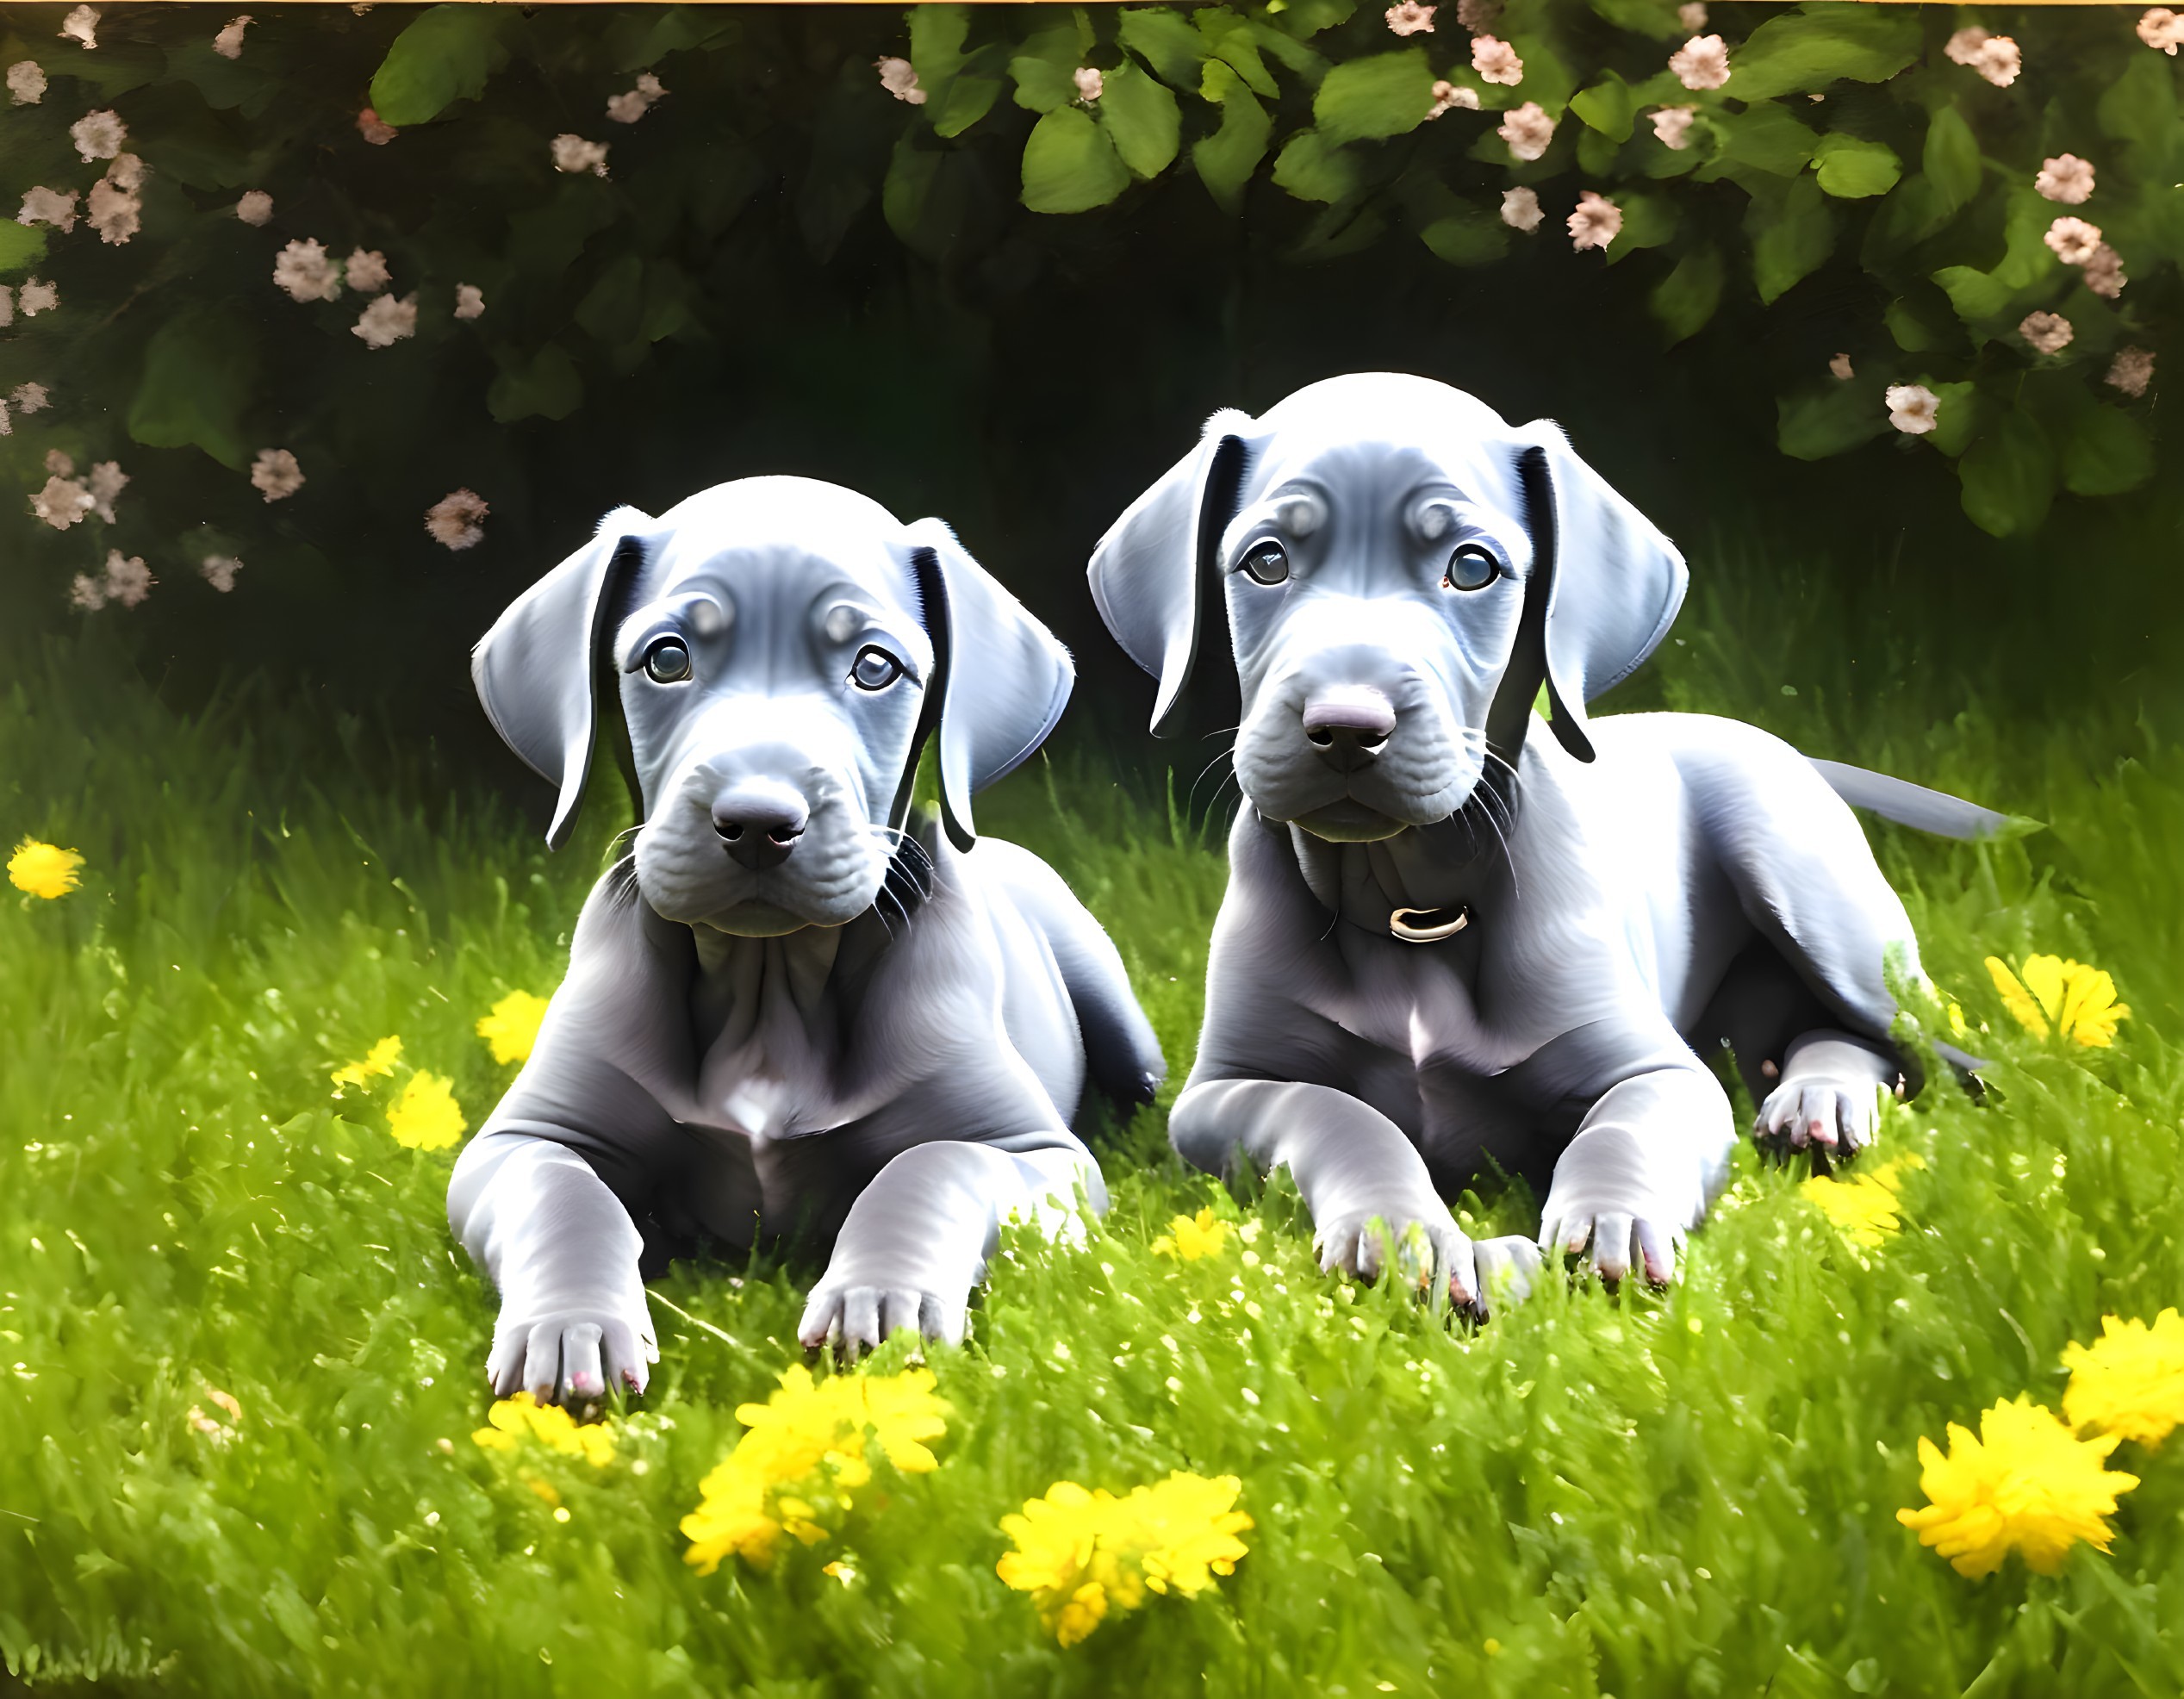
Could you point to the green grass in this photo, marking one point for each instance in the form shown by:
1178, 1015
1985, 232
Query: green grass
1656, 1494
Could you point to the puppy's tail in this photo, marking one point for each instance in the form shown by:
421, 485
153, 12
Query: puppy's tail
1914, 805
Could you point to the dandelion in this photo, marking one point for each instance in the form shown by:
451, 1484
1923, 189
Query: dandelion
425, 1117
255, 207
2080, 999
1690, 16
1091, 84
61, 502
81, 25
1672, 126
219, 571
49, 206
1496, 61
1912, 407
2130, 1382
1595, 223
1084, 1555
307, 272
2162, 29
574, 155
26, 82
2131, 370
1527, 130
2073, 240
31, 398
2066, 179
128, 580
899, 79
44, 870
807, 1440
512, 1028
2105, 272
1863, 1208
366, 271
2026, 1482
228, 44
1408, 17
1448, 96
513, 1421
375, 129
1993, 57
1190, 1237
627, 109
2046, 332
376, 1062
1702, 62
469, 302
98, 135
1520, 210
1840, 368
275, 474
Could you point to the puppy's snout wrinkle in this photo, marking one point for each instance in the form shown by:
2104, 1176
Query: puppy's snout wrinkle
1349, 726
759, 824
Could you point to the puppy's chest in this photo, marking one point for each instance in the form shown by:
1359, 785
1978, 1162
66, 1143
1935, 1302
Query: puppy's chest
1436, 1005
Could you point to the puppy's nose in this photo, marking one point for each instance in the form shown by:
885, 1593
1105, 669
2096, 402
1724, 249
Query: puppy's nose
1348, 725
759, 824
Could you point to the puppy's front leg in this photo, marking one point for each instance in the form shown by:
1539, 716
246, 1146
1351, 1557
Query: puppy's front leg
562, 1251
917, 1238
1355, 1168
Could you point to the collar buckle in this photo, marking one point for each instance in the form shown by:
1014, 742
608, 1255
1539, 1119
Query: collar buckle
1428, 925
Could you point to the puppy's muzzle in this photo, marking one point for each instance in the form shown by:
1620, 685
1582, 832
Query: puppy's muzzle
1349, 726
759, 823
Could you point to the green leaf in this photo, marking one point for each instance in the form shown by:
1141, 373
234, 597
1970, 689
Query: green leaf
1656, 18
1142, 120
2140, 105
1070, 165
2008, 477
1230, 40
1304, 18
1226, 159
1803, 52
1951, 159
1649, 221
1313, 168
970, 97
1815, 423
1386, 95
1792, 232
611, 307
1851, 170
1308, 67
1767, 138
2105, 452
1040, 85
1913, 330
198, 369
1165, 40
446, 54
1977, 296
2027, 259
1684, 299
21, 246
1608, 106
1466, 235
1905, 219
545, 386
937, 36
1958, 418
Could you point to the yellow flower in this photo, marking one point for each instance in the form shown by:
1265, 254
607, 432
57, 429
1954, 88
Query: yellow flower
1863, 1208
2080, 999
381, 1060
425, 1117
1083, 1554
514, 1420
811, 1435
43, 869
2130, 1382
513, 1027
2026, 1483
1190, 1237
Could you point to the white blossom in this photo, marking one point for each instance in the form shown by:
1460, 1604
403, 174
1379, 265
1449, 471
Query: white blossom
900, 79
1520, 210
81, 25
228, 44
26, 82
1596, 222
219, 571
31, 398
1912, 407
2131, 370
87, 593
306, 271
276, 473
49, 206
1090, 82
98, 135
1840, 368
34, 297
469, 302
1690, 16
104, 483
373, 129
366, 271
61, 503
1672, 126
2046, 332
456, 520
2103, 272
1409, 17
1702, 62
1448, 96
2162, 30
255, 207
115, 210
387, 321
1496, 61
128, 580
1993, 57
573, 155
627, 109
2075, 241
1527, 130
2066, 179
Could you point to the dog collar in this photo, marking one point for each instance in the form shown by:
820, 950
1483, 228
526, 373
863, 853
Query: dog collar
1428, 925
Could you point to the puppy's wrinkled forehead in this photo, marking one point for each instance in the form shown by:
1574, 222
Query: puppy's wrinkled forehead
795, 533
1362, 494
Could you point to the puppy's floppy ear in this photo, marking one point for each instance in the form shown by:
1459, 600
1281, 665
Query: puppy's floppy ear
534, 670
1614, 583
1001, 679
1150, 573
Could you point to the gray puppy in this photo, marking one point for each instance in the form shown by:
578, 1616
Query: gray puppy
785, 1013
1444, 941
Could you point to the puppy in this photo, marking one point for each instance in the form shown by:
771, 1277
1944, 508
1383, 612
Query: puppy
1445, 940
795, 1010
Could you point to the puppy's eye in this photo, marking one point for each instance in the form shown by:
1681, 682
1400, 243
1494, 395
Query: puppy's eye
667, 662
1471, 568
874, 669
1267, 563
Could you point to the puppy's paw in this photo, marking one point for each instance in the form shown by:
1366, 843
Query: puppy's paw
1619, 1240
855, 1317
1839, 1118
570, 1356
1426, 1248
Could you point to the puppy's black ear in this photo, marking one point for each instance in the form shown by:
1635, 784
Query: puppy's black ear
534, 669
1614, 583
1002, 678
1150, 572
